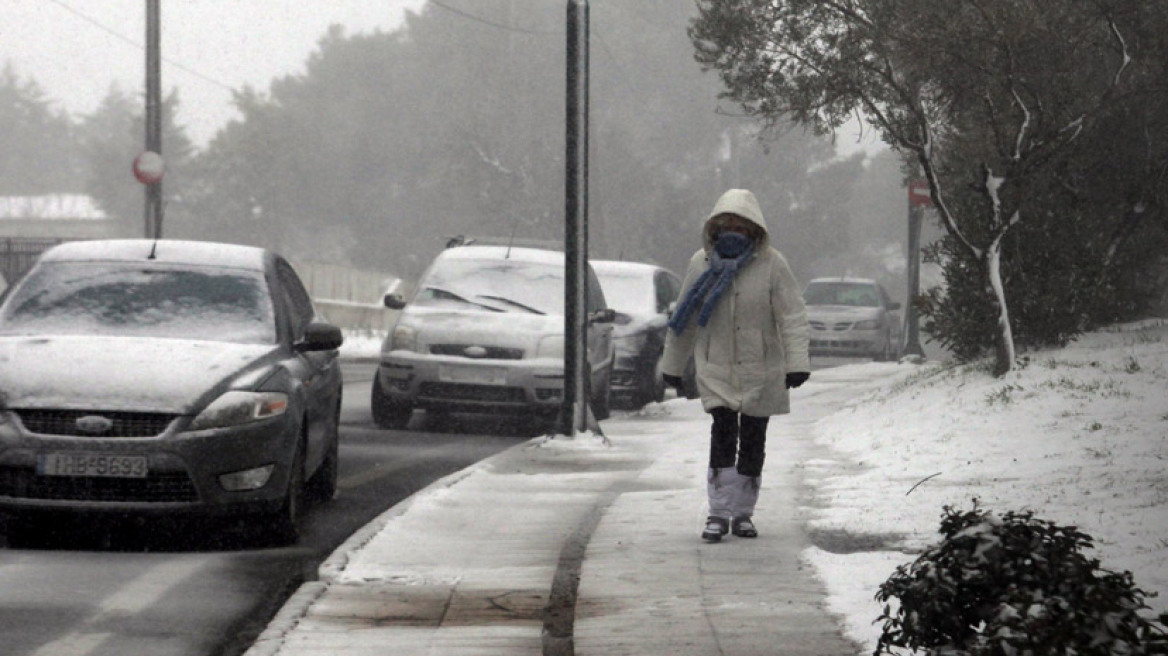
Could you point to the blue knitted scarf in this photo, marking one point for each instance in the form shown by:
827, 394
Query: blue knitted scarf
730, 252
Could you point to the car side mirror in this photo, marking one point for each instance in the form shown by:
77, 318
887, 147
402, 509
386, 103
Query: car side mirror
894, 306
394, 301
319, 336
607, 315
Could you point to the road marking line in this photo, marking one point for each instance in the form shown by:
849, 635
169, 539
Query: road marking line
139, 594
73, 644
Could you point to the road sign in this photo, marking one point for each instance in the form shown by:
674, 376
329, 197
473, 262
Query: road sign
149, 167
918, 193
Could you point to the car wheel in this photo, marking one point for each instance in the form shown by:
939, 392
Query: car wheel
323, 485
284, 524
386, 413
885, 353
658, 381
650, 384
601, 398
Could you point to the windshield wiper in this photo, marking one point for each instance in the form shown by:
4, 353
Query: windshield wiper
511, 302
449, 295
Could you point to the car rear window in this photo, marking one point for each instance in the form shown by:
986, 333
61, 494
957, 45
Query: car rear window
841, 293
102, 298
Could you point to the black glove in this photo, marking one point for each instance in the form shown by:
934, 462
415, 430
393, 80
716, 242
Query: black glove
797, 378
673, 381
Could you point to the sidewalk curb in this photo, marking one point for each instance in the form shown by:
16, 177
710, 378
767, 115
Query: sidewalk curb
329, 571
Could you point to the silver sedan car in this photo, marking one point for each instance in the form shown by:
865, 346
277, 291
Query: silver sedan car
852, 317
165, 377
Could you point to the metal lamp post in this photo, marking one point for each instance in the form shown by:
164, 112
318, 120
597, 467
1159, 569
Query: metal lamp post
573, 414
153, 218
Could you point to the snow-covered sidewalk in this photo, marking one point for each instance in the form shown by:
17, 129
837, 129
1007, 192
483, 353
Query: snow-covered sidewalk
1079, 436
862, 469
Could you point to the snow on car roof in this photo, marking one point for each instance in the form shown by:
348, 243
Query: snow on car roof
536, 255
167, 251
620, 267
867, 281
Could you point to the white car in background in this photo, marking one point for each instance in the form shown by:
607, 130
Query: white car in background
643, 295
484, 332
852, 317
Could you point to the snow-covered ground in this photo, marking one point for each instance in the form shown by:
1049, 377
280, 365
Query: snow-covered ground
1078, 435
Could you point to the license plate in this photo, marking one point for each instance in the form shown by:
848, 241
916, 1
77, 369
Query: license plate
477, 375
91, 464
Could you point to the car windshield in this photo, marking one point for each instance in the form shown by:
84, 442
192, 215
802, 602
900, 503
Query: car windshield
494, 285
628, 292
841, 293
102, 298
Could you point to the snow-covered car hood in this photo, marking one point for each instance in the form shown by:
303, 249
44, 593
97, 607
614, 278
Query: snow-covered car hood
505, 329
118, 373
838, 313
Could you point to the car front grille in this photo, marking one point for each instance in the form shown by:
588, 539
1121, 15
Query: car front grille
470, 392
125, 424
840, 344
491, 352
157, 487
820, 325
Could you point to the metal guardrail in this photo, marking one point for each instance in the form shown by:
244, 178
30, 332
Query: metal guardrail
18, 254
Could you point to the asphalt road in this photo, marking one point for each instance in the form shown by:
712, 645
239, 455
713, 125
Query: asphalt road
208, 589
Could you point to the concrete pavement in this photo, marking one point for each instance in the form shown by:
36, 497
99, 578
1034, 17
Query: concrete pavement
584, 546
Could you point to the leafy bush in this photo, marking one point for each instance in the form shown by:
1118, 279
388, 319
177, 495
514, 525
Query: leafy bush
1010, 586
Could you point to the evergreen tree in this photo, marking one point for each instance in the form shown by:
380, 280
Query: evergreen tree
38, 153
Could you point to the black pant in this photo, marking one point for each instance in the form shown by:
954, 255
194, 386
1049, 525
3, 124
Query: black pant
738, 440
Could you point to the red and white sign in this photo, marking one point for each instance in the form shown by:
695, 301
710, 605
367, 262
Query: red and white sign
918, 193
149, 167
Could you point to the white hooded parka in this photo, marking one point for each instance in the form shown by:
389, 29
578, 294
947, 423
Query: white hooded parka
757, 333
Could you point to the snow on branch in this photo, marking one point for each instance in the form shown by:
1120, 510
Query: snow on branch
1123, 50
1023, 127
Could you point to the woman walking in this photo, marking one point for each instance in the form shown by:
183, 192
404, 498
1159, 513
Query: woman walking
742, 319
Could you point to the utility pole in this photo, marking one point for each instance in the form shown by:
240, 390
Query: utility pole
574, 411
153, 116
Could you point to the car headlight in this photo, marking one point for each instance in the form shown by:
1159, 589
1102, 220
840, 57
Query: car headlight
237, 408
405, 338
551, 346
868, 324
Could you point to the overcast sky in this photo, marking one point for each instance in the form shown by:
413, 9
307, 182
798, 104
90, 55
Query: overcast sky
76, 49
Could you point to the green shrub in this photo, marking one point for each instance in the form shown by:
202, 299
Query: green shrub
1011, 586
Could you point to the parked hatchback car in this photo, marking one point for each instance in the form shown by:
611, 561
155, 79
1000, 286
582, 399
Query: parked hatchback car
852, 317
163, 377
643, 295
484, 332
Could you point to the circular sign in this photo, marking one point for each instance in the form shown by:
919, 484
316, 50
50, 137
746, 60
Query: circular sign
149, 167
918, 193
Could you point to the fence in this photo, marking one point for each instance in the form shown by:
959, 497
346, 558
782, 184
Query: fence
17, 255
350, 298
